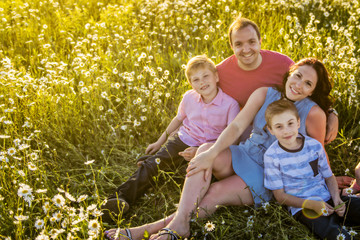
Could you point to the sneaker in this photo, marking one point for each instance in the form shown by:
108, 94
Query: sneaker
112, 208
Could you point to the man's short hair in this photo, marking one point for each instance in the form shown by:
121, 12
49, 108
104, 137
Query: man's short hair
200, 61
241, 23
279, 107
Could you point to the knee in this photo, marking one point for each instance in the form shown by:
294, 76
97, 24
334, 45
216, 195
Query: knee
204, 147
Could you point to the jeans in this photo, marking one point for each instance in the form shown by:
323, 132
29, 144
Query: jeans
330, 227
143, 178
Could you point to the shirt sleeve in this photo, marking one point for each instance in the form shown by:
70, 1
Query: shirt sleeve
324, 167
272, 179
181, 114
233, 111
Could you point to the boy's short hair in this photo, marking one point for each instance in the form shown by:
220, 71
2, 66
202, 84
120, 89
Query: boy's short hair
200, 61
279, 107
241, 23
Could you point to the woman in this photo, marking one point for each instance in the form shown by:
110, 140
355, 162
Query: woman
239, 168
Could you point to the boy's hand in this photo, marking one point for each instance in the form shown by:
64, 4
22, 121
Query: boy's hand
340, 207
203, 161
152, 148
188, 153
320, 206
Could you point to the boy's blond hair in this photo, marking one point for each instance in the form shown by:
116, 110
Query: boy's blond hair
279, 107
200, 61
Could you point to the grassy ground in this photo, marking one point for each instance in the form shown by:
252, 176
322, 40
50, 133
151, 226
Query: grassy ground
86, 85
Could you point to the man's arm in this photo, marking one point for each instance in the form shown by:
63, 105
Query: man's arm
332, 126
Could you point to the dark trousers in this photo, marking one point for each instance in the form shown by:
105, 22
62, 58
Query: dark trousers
330, 227
143, 178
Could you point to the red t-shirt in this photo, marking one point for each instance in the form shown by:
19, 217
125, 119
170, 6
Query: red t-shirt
240, 84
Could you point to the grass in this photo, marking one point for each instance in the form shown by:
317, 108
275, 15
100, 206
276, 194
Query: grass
99, 80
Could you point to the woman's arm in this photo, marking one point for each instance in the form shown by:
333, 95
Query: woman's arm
232, 132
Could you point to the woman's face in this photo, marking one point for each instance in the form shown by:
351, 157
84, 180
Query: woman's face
301, 83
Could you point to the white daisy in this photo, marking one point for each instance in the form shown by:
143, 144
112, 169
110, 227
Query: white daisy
209, 226
39, 224
58, 200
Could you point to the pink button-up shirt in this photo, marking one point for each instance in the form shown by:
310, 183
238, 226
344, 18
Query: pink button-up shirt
204, 122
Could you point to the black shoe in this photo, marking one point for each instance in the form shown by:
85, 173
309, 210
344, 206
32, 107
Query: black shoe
113, 207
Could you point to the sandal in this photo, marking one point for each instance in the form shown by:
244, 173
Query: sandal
127, 235
168, 231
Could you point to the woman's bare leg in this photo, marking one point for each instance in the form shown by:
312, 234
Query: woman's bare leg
137, 233
195, 187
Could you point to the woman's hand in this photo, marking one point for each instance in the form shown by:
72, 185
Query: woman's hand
188, 153
203, 161
332, 126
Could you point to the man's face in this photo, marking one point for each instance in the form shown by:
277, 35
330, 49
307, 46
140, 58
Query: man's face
246, 46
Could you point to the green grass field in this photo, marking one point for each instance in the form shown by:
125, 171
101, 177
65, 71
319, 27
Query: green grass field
86, 85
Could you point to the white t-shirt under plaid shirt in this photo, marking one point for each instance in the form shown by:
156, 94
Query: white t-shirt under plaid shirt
300, 172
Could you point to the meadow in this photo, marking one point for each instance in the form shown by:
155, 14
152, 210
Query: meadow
86, 85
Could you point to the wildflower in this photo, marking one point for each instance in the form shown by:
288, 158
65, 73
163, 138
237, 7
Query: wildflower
42, 237
349, 190
32, 166
82, 198
11, 151
70, 197
89, 162
57, 215
24, 191
101, 108
17, 141
21, 217
250, 222
41, 191
91, 207
71, 211
23, 146
39, 224
167, 95
265, 206
58, 200
324, 212
209, 226
94, 225
33, 156
352, 233
115, 71
21, 173
157, 160
46, 207
340, 237
347, 171
260, 235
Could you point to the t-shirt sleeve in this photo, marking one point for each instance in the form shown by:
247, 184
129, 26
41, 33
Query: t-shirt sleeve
273, 179
181, 114
233, 111
324, 167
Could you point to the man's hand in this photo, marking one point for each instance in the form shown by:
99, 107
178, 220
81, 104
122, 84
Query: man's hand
344, 181
153, 148
188, 153
332, 127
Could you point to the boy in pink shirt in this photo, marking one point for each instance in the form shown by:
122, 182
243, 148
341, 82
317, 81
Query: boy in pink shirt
203, 114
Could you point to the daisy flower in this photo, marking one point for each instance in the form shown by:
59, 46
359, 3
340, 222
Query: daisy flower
39, 224
21, 217
209, 226
42, 237
82, 198
94, 225
340, 237
157, 160
59, 200
70, 197
349, 191
46, 207
352, 233
324, 212
11, 151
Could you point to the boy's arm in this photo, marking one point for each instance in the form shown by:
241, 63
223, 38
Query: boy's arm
293, 201
154, 147
333, 189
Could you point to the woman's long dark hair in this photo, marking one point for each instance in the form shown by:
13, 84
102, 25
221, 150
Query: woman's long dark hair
321, 94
